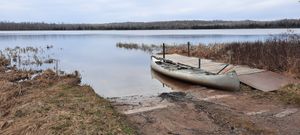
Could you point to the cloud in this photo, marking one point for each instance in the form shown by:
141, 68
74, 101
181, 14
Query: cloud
99, 11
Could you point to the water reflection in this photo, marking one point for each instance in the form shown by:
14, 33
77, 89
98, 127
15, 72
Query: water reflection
171, 83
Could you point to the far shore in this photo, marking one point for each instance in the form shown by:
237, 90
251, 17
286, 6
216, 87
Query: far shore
158, 25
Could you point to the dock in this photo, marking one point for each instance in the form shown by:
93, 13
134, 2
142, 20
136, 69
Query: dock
257, 78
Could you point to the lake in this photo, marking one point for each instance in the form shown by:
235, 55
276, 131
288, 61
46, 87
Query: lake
115, 72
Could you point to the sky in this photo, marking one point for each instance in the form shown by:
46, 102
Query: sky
105, 11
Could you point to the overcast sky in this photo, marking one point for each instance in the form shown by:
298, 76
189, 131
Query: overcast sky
103, 11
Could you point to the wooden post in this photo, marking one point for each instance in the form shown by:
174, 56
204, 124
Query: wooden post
188, 48
230, 56
164, 51
56, 66
199, 62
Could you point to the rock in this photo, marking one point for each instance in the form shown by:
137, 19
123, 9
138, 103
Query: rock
174, 96
19, 113
286, 113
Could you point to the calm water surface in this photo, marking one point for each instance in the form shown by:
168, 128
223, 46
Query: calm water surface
115, 72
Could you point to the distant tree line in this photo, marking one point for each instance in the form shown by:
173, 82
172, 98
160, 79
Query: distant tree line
195, 24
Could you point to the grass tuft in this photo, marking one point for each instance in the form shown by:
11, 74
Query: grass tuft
290, 94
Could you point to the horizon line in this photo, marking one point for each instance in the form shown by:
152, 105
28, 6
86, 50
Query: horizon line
175, 20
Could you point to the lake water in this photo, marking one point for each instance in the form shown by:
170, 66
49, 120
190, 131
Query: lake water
115, 72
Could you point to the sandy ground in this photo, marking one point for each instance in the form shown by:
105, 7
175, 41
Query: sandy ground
194, 110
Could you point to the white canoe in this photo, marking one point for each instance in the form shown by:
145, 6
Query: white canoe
228, 81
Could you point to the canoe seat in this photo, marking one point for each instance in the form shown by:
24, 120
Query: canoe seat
180, 68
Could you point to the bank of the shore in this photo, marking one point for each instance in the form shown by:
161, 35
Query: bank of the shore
46, 103
279, 54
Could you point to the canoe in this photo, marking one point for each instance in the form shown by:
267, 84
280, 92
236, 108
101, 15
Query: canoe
227, 81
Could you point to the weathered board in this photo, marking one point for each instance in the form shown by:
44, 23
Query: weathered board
210, 65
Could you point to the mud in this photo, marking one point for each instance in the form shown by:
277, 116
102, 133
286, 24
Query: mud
200, 110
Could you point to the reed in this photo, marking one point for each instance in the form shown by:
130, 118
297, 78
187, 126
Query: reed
278, 54
135, 46
24, 56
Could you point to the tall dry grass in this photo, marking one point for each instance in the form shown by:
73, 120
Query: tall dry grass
279, 54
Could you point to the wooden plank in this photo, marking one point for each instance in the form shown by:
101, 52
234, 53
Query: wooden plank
210, 65
246, 70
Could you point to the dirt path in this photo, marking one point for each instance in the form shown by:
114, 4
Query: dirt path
198, 110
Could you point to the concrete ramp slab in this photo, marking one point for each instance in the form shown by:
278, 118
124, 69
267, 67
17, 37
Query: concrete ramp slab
266, 81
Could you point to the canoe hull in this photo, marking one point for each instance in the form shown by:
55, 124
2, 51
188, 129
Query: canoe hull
227, 81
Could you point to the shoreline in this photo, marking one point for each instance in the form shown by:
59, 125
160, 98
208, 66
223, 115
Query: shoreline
279, 28
176, 24
54, 104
